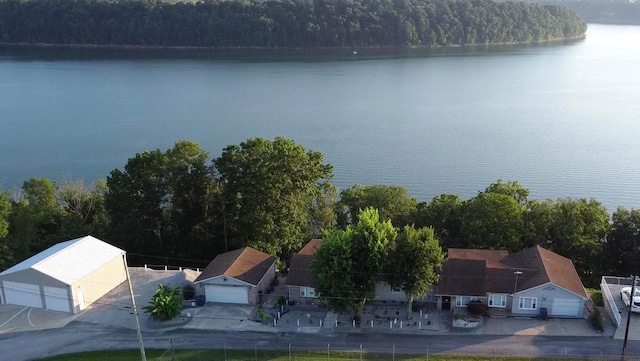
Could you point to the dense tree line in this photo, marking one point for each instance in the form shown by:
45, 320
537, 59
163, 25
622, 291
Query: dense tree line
602, 11
181, 207
284, 23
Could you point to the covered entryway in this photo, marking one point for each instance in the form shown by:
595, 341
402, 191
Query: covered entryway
227, 294
565, 307
56, 299
24, 294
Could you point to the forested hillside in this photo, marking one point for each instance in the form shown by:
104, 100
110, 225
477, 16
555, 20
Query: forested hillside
602, 11
281, 23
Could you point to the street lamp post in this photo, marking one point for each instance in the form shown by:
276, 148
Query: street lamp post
515, 287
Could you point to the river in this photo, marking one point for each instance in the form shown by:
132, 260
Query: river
561, 118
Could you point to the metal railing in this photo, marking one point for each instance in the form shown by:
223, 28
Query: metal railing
609, 303
169, 267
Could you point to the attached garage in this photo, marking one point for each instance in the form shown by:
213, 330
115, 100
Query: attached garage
227, 294
237, 277
566, 307
65, 277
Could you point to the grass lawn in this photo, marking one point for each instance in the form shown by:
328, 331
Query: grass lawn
250, 355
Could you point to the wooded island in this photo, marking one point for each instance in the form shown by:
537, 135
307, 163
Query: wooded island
284, 24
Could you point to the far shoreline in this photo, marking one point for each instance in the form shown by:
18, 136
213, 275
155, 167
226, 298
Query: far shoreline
350, 48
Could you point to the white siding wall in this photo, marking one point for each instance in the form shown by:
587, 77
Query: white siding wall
544, 296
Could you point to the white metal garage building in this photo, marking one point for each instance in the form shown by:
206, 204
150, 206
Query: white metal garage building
68, 276
238, 276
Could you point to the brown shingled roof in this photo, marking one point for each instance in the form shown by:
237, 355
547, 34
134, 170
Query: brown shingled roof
537, 265
463, 277
551, 267
300, 273
245, 264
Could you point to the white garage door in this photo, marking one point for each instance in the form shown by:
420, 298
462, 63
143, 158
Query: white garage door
56, 299
226, 294
565, 307
24, 294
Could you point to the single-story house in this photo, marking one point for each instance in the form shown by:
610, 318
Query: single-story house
239, 276
300, 277
68, 276
522, 283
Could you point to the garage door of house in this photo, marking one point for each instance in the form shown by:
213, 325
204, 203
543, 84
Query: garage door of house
24, 294
56, 299
565, 307
226, 294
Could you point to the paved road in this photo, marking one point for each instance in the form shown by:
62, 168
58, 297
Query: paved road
79, 336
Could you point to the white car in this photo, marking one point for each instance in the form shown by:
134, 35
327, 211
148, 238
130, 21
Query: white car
625, 293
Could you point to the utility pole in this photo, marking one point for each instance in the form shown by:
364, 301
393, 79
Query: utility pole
143, 355
626, 331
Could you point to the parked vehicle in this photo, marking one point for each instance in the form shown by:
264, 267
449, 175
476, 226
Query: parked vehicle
625, 293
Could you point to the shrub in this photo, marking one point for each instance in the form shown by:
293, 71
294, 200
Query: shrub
166, 304
477, 308
596, 319
263, 315
596, 296
188, 291
280, 301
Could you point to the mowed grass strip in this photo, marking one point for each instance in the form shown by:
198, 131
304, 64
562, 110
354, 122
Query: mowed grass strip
250, 355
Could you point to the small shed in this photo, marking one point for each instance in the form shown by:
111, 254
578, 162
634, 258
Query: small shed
67, 277
238, 276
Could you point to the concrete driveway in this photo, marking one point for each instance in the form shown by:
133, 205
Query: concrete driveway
535, 327
230, 317
20, 318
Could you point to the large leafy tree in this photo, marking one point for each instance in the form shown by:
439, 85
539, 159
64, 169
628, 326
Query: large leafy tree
622, 247
414, 260
444, 214
493, 221
392, 202
36, 218
346, 272
267, 188
159, 204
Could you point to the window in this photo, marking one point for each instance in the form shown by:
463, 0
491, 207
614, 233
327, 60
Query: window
396, 290
528, 303
462, 301
498, 301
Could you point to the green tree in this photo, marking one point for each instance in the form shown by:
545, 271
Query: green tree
5, 208
347, 282
444, 214
392, 202
166, 303
622, 247
267, 189
414, 260
493, 221
332, 271
160, 204
510, 188
6, 256
35, 219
